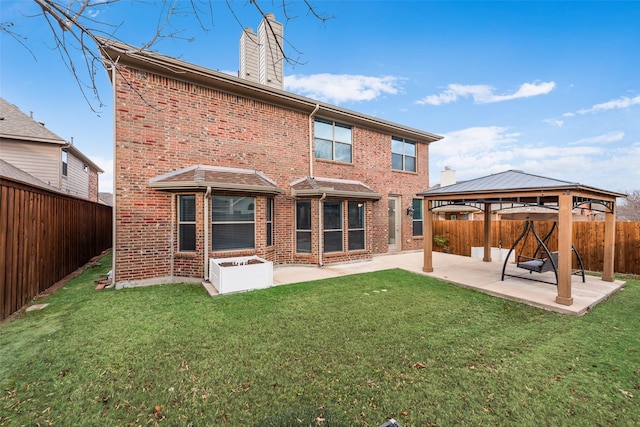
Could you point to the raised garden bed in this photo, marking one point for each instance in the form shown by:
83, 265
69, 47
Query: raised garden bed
238, 274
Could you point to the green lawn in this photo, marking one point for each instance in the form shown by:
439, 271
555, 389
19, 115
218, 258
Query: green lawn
355, 350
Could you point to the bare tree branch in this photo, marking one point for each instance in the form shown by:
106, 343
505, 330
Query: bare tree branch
75, 32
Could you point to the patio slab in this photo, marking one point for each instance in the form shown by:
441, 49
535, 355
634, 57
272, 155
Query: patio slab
468, 272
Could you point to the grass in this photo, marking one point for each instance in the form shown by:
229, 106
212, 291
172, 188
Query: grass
355, 350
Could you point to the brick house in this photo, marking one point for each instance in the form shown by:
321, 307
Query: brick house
212, 165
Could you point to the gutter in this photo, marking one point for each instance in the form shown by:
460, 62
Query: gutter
207, 197
311, 116
320, 226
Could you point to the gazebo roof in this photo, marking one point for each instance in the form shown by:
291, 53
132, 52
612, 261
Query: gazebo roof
519, 188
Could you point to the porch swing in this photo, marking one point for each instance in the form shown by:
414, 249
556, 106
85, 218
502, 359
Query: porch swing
542, 259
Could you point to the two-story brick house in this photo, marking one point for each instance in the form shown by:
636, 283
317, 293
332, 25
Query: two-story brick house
211, 165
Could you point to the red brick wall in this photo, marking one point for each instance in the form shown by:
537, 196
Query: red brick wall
177, 125
93, 185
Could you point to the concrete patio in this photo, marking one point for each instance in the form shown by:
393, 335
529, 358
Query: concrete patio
468, 272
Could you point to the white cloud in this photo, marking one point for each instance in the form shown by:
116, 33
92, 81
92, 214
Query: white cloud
554, 122
623, 102
484, 94
606, 138
339, 88
480, 151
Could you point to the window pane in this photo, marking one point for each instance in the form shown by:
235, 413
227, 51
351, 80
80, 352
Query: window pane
323, 130
332, 215
356, 239
324, 149
396, 161
187, 237
343, 152
303, 215
410, 149
410, 164
356, 215
303, 242
417, 228
232, 236
397, 146
187, 208
417, 208
269, 234
343, 133
269, 209
232, 208
333, 241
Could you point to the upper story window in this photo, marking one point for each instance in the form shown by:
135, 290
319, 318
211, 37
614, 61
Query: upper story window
333, 141
65, 159
403, 155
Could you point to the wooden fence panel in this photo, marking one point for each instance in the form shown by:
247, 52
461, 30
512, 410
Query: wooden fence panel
44, 236
588, 238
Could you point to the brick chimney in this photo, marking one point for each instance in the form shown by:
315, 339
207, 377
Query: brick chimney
447, 176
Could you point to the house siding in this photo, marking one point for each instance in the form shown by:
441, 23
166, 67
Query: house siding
41, 160
77, 180
193, 124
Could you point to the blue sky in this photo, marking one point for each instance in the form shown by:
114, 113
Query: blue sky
550, 88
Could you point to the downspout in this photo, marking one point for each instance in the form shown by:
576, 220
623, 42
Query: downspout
207, 197
174, 215
311, 116
320, 226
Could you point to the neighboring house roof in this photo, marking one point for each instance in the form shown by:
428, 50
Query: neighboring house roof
105, 198
10, 171
510, 181
16, 125
122, 54
317, 186
217, 178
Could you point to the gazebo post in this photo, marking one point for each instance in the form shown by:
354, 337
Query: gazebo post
565, 235
427, 265
487, 232
609, 244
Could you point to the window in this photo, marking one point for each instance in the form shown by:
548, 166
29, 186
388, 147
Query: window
332, 219
303, 226
269, 222
65, 158
332, 141
232, 222
187, 223
417, 217
403, 155
356, 225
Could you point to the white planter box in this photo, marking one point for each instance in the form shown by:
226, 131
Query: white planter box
238, 274
497, 254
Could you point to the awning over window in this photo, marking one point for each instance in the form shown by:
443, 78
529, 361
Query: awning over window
200, 177
309, 187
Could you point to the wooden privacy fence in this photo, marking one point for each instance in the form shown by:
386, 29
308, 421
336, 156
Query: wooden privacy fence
44, 236
588, 238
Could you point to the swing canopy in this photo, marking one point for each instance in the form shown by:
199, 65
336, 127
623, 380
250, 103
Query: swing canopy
517, 189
